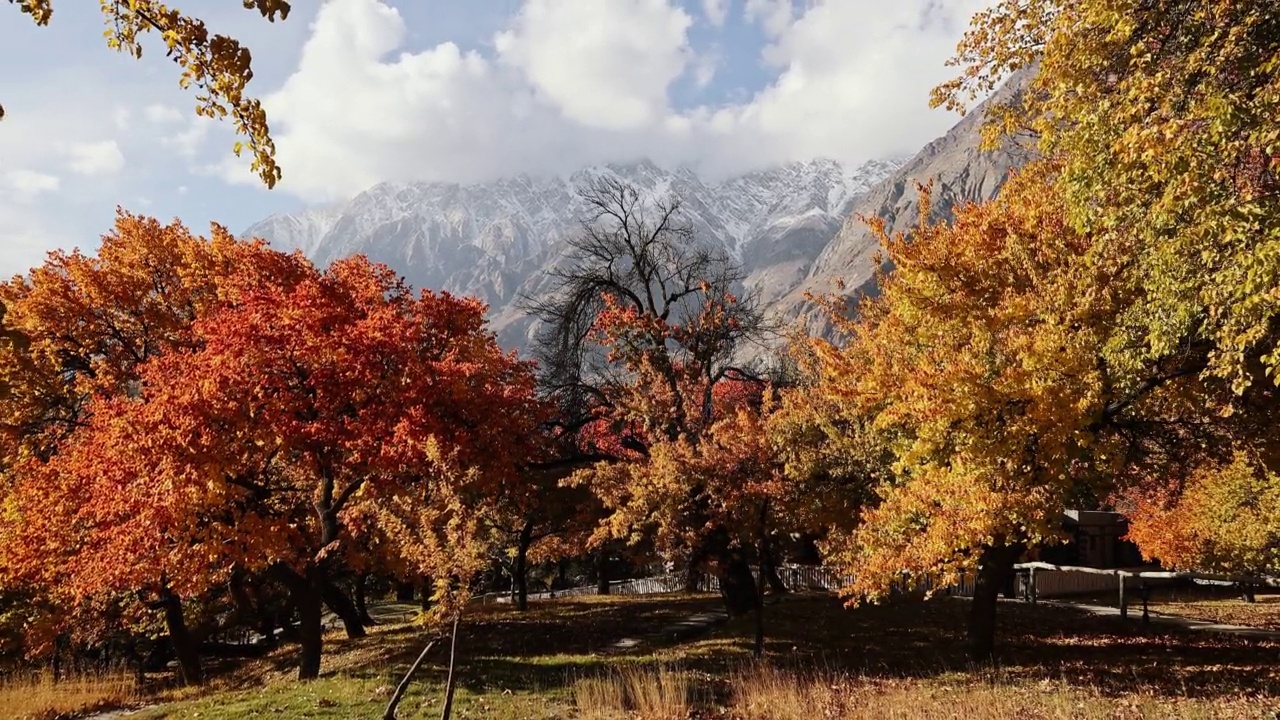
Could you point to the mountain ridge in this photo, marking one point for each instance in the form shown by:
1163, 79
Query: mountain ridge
795, 228
495, 240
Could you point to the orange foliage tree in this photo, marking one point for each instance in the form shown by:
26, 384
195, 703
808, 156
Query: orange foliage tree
1222, 517
1161, 116
79, 327
273, 434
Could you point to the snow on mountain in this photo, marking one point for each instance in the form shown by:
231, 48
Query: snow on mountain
495, 240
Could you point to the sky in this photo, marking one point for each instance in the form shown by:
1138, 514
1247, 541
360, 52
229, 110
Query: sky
365, 91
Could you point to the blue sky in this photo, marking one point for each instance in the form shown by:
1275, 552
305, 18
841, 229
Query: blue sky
363, 91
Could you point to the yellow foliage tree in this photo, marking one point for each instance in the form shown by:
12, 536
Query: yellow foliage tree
973, 401
218, 66
1162, 113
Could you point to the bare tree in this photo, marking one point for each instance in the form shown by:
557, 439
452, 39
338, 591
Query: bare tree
642, 254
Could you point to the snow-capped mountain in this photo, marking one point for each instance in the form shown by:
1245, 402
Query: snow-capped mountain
795, 228
494, 240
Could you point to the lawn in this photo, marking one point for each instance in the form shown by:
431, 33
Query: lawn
555, 661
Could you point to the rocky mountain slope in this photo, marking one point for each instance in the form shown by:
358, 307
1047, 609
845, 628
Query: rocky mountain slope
960, 171
495, 240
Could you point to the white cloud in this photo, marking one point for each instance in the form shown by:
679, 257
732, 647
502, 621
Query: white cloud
569, 84
706, 67
162, 114
188, 141
94, 158
24, 185
717, 11
845, 99
775, 16
121, 116
606, 63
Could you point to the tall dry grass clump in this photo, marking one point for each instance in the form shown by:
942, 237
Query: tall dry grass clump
40, 698
662, 693
767, 693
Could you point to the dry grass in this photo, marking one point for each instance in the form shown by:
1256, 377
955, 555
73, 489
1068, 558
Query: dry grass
600, 698
658, 693
40, 698
555, 662
769, 693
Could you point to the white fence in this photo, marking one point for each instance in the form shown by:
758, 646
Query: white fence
795, 577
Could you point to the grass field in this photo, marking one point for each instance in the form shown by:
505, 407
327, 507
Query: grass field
823, 661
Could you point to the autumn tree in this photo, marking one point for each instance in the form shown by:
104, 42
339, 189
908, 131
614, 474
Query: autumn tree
541, 519
188, 413
1221, 517
1162, 115
302, 405
78, 327
979, 398
642, 325
218, 66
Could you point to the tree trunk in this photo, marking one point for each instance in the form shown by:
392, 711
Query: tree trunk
184, 648
263, 611
759, 648
737, 584
362, 606
267, 627
341, 605
764, 565
404, 592
602, 570
520, 572
995, 567
246, 611
769, 567
695, 569
452, 683
562, 574
138, 662
308, 591
55, 662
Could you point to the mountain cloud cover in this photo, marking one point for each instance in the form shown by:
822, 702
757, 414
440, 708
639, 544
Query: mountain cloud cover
565, 85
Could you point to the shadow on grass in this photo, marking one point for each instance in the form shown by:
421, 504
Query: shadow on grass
925, 639
556, 643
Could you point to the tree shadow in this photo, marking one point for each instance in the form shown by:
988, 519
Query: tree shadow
1041, 642
558, 642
